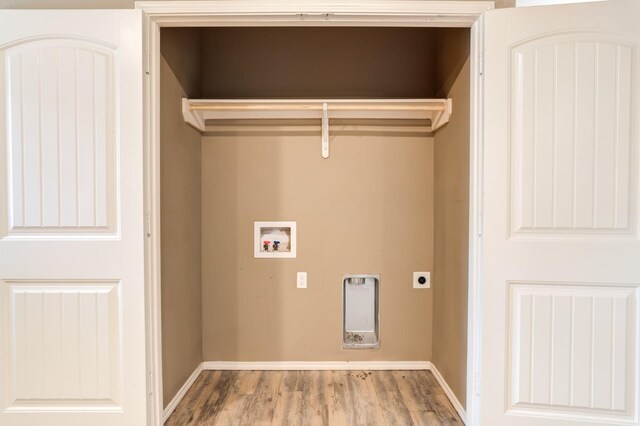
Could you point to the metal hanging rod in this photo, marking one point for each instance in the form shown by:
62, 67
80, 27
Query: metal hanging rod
202, 113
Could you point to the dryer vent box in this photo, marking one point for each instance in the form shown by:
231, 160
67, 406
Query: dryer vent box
361, 305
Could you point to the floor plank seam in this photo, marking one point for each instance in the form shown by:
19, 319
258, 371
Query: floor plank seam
356, 397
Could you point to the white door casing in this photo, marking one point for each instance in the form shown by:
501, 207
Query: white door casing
72, 325
561, 278
395, 13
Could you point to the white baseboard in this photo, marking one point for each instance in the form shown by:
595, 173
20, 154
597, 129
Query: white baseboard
181, 393
311, 365
322, 365
447, 390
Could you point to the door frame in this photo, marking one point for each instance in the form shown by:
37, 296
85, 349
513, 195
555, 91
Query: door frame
228, 13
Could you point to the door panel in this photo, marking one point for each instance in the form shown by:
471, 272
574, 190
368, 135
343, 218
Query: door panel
66, 343
62, 168
569, 346
71, 219
560, 240
571, 109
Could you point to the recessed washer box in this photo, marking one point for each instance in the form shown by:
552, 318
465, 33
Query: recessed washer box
274, 239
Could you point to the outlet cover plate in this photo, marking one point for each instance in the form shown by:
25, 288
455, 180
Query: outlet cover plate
427, 279
301, 280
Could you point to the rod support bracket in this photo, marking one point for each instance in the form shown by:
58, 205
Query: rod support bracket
325, 130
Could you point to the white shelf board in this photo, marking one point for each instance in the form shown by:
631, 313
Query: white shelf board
200, 112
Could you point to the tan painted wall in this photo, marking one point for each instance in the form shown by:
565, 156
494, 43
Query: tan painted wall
118, 4
181, 259
452, 241
452, 50
181, 48
366, 209
308, 62
300, 62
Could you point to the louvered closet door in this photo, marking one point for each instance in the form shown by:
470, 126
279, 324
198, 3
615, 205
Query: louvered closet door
561, 240
71, 219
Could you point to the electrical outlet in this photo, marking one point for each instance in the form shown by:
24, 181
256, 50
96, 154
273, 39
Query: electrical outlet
301, 280
422, 280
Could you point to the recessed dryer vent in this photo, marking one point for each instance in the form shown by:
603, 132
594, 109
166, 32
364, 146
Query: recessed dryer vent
361, 306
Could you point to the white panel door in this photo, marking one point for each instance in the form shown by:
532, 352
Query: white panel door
561, 240
72, 339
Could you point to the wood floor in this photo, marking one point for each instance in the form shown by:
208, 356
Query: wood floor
297, 398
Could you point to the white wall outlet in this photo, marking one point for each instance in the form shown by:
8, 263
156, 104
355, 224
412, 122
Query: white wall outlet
422, 280
301, 280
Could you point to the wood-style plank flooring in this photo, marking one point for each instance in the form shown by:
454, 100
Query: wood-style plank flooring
297, 398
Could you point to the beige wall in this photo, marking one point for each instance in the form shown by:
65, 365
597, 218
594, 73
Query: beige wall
180, 211
450, 271
121, 4
301, 61
312, 62
452, 49
366, 209
181, 48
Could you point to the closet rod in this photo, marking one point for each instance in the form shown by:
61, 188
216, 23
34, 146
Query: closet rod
314, 107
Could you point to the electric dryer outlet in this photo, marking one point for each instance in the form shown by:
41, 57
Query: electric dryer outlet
422, 280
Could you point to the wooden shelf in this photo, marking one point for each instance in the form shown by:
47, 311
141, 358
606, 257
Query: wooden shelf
434, 113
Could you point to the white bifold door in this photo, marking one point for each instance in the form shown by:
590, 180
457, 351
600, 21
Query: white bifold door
561, 240
72, 341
